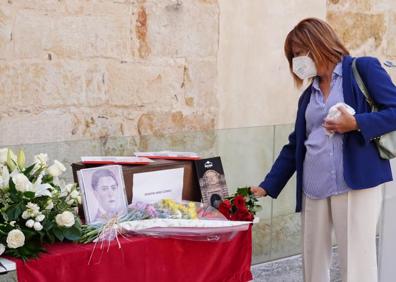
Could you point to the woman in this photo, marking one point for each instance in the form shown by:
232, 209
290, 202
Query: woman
337, 174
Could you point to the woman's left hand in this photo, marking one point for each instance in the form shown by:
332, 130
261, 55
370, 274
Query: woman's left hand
344, 123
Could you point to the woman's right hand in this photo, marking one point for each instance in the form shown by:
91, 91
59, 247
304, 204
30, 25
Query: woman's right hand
258, 191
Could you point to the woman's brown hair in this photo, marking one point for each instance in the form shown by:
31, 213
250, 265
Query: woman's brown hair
317, 37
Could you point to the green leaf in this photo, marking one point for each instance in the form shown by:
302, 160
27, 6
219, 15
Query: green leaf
11, 185
48, 224
29, 195
29, 169
14, 212
77, 224
31, 249
58, 234
50, 237
244, 191
29, 232
72, 233
47, 178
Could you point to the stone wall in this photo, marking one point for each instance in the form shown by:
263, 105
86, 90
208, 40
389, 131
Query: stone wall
73, 69
367, 27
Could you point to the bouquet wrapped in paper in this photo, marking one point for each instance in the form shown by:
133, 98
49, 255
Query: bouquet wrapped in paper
242, 206
167, 218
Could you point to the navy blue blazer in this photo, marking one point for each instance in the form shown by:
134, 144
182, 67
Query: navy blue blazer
363, 167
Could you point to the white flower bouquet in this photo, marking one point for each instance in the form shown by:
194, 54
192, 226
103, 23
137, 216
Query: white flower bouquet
36, 207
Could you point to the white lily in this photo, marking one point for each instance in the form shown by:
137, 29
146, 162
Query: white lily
11, 159
42, 189
41, 159
58, 182
56, 169
66, 189
22, 183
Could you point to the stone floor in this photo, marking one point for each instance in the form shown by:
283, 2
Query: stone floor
289, 270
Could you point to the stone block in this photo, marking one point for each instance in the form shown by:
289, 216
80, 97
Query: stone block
286, 236
164, 29
262, 241
73, 7
91, 36
93, 123
48, 85
9, 88
286, 202
39, 5
26, 128
247, 154
38, 34
65, 124
32, 34
199, 82
51, 84
6, 36
351, 5
201, 142
385, 5
120, 146
144, 86
176, 130
94, 84
355, 29
390, 49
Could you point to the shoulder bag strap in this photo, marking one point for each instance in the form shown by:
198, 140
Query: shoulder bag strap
360, 83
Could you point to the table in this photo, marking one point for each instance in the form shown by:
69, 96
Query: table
143, 259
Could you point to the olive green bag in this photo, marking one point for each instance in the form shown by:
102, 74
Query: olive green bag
386, 143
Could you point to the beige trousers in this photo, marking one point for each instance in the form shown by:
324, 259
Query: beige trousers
353, 216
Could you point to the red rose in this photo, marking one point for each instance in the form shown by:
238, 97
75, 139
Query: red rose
224, 210
239, 201
234, 217
238, 215
244, 215
227, 203
243, 209
249, 217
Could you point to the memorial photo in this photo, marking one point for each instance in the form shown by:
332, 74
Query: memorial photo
103, 192
211, 180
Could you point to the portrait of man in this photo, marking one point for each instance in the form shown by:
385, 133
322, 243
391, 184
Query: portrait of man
104, 193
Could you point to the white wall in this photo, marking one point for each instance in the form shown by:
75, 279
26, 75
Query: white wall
255, 87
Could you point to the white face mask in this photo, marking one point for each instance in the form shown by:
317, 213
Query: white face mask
304, 67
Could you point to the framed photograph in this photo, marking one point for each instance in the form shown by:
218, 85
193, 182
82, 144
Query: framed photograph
103, 191
212, 181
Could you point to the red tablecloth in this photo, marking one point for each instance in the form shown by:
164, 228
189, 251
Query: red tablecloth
144, 259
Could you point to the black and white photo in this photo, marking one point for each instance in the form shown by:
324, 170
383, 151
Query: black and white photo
103, 190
